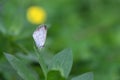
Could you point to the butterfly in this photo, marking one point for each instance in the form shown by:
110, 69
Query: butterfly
39, 35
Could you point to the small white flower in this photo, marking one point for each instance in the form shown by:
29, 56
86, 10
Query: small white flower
39, 36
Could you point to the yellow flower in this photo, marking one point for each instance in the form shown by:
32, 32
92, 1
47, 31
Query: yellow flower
36, 15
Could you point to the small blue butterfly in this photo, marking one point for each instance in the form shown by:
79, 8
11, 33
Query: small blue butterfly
39, 35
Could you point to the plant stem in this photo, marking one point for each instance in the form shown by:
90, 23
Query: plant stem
41, 62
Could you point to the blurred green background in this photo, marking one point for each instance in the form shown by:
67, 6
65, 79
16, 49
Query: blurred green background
91, 28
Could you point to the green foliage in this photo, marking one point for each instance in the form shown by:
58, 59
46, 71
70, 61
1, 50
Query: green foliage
54, 75
86, 76
20, 67
42, 62
58, 69
90, 27
62, 62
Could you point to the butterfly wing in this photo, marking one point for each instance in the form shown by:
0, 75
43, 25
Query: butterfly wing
39, 36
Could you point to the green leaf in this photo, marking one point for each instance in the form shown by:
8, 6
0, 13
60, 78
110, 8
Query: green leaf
62, 62
86, 76
20, 67
54, 75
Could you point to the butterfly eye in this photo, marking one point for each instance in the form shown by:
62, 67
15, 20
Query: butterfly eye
39, 36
